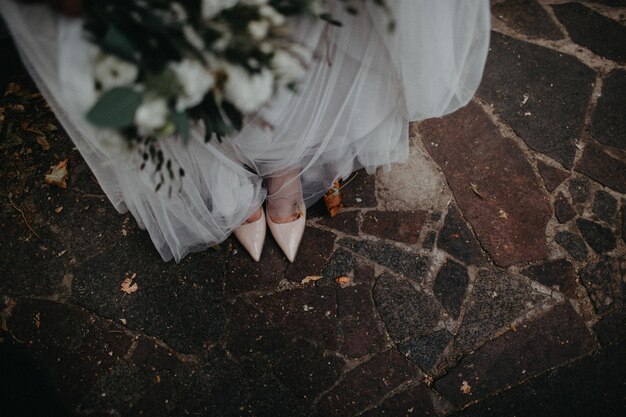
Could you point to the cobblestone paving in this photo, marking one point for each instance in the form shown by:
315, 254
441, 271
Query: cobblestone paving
486, 276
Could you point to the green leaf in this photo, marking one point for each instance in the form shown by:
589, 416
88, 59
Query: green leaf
182, 125
116, 108
117, 41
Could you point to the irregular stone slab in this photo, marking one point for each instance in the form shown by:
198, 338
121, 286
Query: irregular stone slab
563, 209
572, 243
559, 392
600, 238
73, 346
558, 274
591, 29
415, 401
406, 263
401, 226
580, 189
497, 300
416, 184
624, 221
344, 221
341, 263
527, 17
429, 240
456, 238
552, 177
558, 87
425, 351
605, 206
182, 304
309, 312
493, 183
550, 340
313, 254
361, 191
405, 311
608, 123
304, 368
603, 168
357, 321
450, 286
605, 281
366, 384
244, 274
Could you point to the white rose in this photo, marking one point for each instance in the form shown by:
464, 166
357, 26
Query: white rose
270, 13
211, 8
195, 79
111, 71
258, 29
151, 115
247, 92
288, 66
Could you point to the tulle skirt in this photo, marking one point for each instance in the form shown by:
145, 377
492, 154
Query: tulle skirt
351, 111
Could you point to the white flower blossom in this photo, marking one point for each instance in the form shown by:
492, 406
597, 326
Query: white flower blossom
179, 11
272, 15
151, 115
258, 29
195, 79
288, 66
211, 8
111, 71
248, 92
193, 37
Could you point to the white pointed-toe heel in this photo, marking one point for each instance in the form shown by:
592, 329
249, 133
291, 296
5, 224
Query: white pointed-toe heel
288, 235
252, 236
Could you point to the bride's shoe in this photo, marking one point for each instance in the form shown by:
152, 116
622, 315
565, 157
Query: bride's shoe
288, 235
252, 236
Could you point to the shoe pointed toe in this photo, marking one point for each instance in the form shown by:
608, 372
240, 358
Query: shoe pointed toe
288, 235
252, 236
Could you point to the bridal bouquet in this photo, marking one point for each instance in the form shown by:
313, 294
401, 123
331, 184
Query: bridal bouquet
161, 66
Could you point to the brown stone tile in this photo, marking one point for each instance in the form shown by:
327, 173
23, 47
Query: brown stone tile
603, 168
360, 332
456, 238
550, 340
244, 274
401, 226
527, 17
563, 209
313, 255
366, 384
552, 177
494, 185
361, 191
608, 123
605, 280
413, 402
558, 274
344, 221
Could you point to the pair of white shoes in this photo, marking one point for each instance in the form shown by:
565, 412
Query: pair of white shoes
287, 235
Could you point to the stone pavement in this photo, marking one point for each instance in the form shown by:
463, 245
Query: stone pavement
484, 277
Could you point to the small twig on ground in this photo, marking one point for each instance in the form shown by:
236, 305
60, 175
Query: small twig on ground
24, 217
349, 180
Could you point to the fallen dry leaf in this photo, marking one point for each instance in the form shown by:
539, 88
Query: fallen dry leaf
465, 388
37, 319
310, 278
343, 280
58, 175
474, 188
332, 199
43, 142
128, 286
58, 209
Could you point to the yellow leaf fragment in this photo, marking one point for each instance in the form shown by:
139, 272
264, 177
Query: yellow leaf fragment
343, 280
310, 278
37, 319
332, 199
128, 285
466, 388
58, 175
43, 142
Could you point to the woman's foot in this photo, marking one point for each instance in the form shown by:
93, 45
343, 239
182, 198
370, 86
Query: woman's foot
286, 213
251, 234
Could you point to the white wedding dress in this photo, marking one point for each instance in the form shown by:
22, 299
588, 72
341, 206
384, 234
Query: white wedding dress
363, 85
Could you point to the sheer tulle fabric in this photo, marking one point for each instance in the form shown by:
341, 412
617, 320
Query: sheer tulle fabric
362, 87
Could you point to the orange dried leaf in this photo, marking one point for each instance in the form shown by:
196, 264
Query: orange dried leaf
58, 175
43, 142
343, 280
332, 199
128, 286
310, 278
